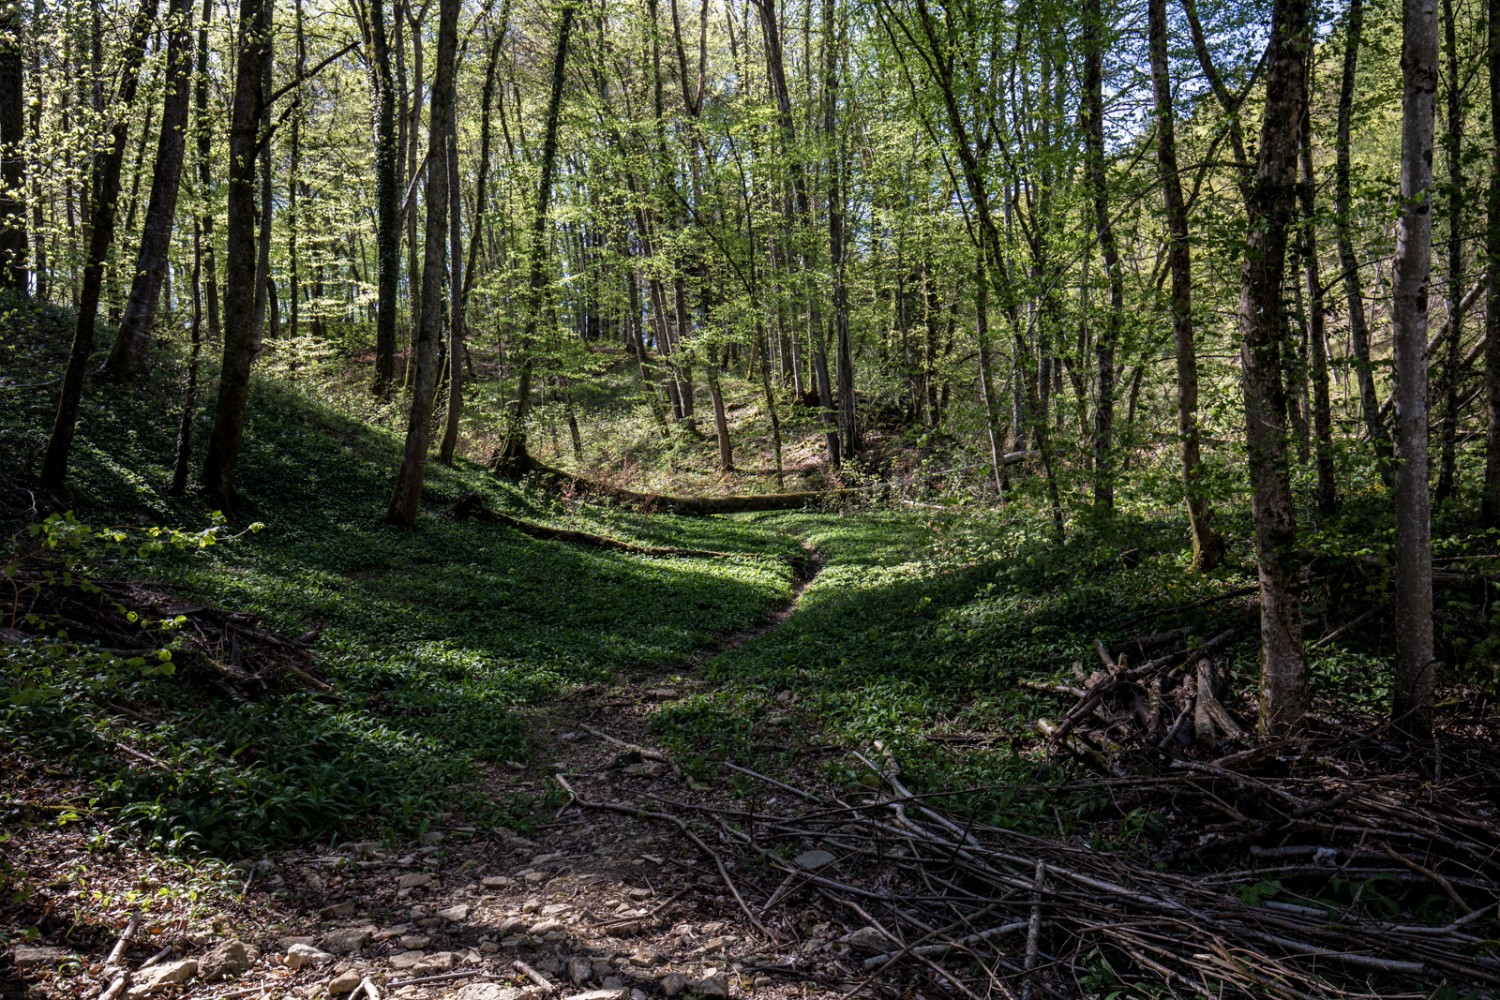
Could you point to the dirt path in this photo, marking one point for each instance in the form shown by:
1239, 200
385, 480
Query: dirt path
594, 903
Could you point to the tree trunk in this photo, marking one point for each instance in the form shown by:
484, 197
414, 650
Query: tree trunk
514, 456
1359, 330
457, 277
1317, 337
108, 161
1413, 597
13, 239
266, 207
1453, 154
40, 89
127, 358
1490, 511
184, 449
294, 185
848, 410
1271, 200
205, 174
1104, 346
1208, 545
406, 495
801, 206
387, 202
240, 345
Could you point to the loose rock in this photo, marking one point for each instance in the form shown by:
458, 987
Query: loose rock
26, 955
348, 940
227, 959
711, 986
166, 974
299, 955
407, 959
345, 982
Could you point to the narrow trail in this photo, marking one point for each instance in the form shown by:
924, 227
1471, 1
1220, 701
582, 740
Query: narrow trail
597, 904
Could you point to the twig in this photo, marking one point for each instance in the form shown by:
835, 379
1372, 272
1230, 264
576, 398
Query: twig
536, 977
446, 977
683, 827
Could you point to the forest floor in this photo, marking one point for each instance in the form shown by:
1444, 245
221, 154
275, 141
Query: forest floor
592, 902
907, 744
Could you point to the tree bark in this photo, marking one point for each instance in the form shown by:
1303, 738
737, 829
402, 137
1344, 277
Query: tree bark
1270, 202
387, 201
127, 358
1104, 345
1317, 338
14, 272
848, 410
108, 161
1359, 330
514, 456
801, 206
1413, 597
461, 300
240, 344
205, 174
1453, 154
406, 495
1490, 510
1208, 545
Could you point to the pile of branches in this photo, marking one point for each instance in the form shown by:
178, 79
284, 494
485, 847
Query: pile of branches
126, 620
1170, 703
981, 910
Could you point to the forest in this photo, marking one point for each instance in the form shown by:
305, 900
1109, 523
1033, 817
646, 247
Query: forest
615, 499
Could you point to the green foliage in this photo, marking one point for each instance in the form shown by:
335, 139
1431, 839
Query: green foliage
431, 639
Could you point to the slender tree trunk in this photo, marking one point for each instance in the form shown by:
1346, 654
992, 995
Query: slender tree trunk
266, 207
205, 174
1453, 154
40, 92
459, 318
294, 184
387, 201
127, 358
240, 344
14, 243
848, 409
1271, 201
721, 420
1490, 510
108, 161
514, 456
1208, 545
457, 280
1104, 347
184, 449
1359, 330
1317, 337
406, 495
1413, 598
801, 204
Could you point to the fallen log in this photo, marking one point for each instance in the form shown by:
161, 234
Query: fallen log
751, 503
471, 506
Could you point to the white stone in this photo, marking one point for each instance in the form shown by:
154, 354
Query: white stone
345, 982
299, 955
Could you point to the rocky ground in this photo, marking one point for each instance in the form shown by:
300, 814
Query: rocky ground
596, 903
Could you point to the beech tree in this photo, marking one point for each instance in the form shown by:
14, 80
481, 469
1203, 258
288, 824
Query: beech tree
1413, 598
1270, 201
